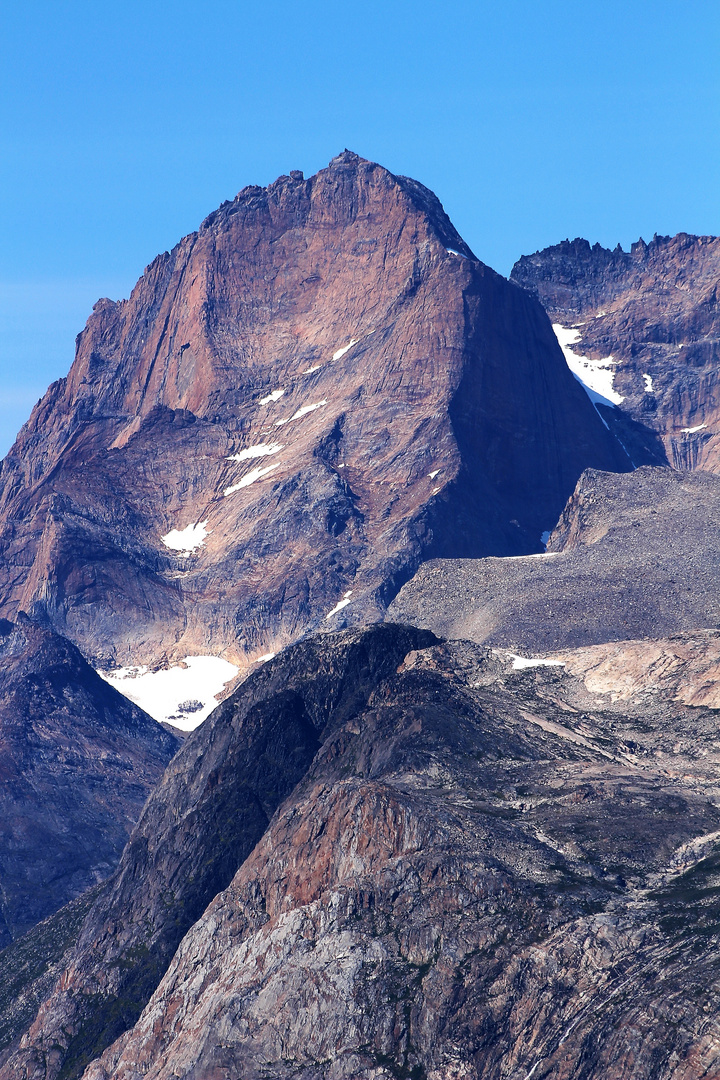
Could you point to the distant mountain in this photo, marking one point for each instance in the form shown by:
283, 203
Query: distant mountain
445, 868
296, 405
78, 761
647, 323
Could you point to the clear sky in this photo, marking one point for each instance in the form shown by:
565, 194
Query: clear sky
122, 124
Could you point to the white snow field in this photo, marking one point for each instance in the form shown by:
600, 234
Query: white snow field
260, 450
596, 376
182, 696
521, 662
341, 352
186, 540
274, 395
692, 430
302, 411
340, 604
250, 478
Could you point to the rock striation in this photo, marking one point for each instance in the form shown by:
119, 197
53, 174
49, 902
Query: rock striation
633, 556
304, 398
654, 314
481, 872
78, 761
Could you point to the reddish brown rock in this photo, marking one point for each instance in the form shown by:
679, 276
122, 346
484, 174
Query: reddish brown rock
426, 408
483, 873
656, 311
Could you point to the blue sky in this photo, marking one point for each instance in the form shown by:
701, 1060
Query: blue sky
123, 124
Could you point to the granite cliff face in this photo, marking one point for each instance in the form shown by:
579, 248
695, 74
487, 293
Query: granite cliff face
480, 872
298, 403
654, 315
633, 556
78, 761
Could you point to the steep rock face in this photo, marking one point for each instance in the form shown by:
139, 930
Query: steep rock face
632, 556
656, 312
78, 762
484, 873
202, 821
307, 396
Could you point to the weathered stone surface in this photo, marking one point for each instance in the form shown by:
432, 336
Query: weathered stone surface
483, 873
632, 556
201, 822
78, 761
656, 311
450, 425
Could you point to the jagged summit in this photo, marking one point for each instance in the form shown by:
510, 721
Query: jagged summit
294, 406
651, 318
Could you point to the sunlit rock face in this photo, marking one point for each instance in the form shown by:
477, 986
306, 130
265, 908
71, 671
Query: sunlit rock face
650, 318
299, 402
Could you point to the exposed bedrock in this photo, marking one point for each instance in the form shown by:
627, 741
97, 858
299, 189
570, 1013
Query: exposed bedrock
479, 872
299, 402
654, 314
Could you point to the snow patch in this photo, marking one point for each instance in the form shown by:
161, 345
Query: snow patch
302, 411
274, 395
340, 605
264, 658
309, 371
521, 662
596, 376
432, 475
452, 251
182, 696
250, 478
261, 450
692, 430
648, 383
341, 352
186, 540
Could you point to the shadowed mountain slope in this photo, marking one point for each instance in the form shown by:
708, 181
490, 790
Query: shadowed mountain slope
78, 761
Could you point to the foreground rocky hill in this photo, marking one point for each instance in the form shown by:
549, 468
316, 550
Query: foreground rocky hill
632, 556
316, 390
78, 761
435, 866
644, 327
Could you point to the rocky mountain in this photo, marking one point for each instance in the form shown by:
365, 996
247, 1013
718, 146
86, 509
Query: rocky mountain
445, 867
642, 328
297, 404
633, 556
78, 761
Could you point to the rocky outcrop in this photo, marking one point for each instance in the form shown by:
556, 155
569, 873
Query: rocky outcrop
655, 313
316, 390
202, 821
78, 762
483, 872
632, 556
684, 667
